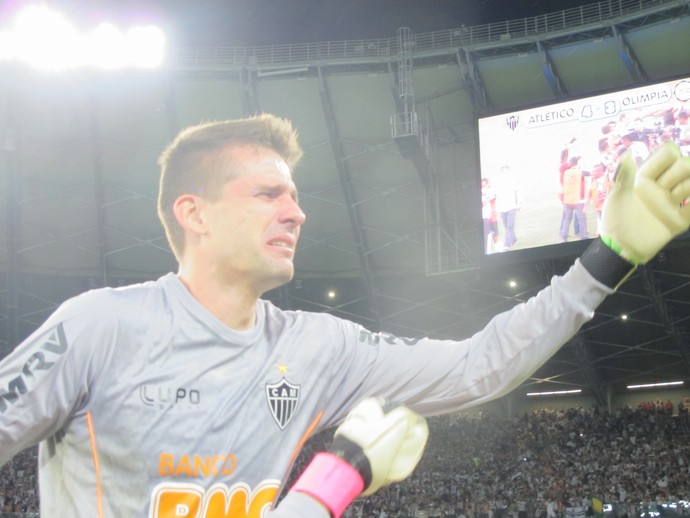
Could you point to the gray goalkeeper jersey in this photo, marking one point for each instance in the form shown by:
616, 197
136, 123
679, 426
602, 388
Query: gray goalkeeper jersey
146, 405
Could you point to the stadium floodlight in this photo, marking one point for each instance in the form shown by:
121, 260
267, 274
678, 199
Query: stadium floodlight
109, 49
7, 46
146, 46
44, 39
655, 385
555, 392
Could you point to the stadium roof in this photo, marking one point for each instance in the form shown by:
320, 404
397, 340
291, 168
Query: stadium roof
392, 232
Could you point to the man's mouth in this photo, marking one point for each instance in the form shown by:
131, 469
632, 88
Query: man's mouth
280, 243
285, 244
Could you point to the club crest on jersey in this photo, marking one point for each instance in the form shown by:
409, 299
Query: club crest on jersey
283, 398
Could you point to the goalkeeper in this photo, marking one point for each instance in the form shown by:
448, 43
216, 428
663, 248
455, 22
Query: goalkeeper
189, 396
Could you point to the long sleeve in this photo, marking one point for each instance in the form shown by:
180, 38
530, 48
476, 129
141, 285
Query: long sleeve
439, 376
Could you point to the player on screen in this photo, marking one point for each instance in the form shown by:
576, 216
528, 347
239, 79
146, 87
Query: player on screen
681, 131
573, 195
190, 395
489, 217
598, 190
507, 204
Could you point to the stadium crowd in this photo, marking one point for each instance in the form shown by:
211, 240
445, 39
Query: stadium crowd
546, 464
19, 484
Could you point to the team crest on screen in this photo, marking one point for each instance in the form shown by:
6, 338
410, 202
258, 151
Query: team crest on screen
283, 398
512, 121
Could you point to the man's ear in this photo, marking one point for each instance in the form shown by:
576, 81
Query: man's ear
189, 213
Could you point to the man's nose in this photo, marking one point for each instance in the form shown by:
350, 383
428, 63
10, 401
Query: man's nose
293, 212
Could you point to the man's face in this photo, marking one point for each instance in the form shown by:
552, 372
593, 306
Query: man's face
254, 225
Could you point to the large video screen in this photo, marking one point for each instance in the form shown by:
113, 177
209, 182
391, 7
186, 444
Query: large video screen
546, 171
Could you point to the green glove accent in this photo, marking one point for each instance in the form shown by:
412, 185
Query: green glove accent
647, 208
613, 246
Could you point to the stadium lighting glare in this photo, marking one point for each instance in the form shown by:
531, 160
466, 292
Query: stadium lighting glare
46, 40
654, 385
7, 46
555, 392
109, 47
146, 46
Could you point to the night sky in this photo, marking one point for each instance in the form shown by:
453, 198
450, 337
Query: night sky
266, 22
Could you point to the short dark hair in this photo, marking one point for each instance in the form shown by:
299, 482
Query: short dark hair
196, 161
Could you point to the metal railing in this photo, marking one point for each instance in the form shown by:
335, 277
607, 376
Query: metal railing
383, 50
